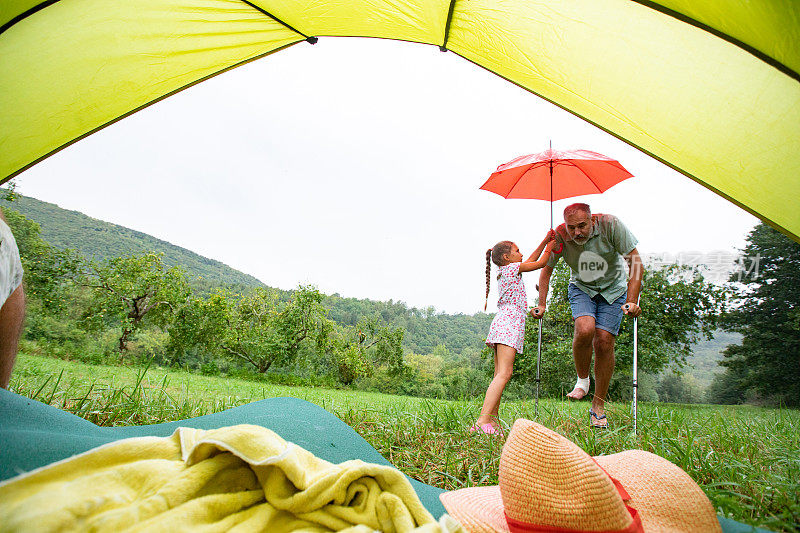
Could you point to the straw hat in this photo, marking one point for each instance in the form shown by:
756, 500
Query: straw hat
548, 484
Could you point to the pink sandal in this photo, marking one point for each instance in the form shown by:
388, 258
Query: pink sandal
487, 429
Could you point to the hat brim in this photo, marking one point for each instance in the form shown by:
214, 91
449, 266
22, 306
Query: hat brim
479, 509
665, 496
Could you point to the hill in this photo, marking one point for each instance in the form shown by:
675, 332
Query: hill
706, 355
101, 240
425, 329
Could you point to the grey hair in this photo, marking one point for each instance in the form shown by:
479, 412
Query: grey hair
574, 208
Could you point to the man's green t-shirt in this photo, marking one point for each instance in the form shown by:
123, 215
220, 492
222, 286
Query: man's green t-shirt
598, 266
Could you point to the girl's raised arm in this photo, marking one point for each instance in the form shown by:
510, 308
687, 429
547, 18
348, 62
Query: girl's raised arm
546, 245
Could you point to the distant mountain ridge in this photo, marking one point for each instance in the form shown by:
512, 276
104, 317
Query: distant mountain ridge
425, 329
99, 240
706, 355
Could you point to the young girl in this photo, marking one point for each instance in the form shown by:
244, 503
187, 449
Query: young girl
507, 332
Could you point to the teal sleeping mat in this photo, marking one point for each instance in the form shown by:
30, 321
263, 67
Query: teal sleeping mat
33, 434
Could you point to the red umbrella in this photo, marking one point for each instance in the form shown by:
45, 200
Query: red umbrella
555, 175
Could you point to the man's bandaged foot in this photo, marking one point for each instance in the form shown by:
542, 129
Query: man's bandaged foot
581, 389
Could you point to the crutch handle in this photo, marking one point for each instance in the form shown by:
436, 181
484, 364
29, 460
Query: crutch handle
626, 309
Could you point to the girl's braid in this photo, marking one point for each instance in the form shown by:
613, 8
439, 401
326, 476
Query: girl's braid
488, 272
495, 254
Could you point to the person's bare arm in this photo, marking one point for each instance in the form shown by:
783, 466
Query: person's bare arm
635, 273
537, 260
541, 262
12, 315
544, 287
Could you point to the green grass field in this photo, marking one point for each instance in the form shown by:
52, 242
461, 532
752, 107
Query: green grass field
747, 459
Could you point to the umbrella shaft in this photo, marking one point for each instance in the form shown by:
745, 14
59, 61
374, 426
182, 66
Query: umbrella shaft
551, 190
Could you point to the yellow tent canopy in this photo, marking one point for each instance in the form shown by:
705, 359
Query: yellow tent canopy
710, 88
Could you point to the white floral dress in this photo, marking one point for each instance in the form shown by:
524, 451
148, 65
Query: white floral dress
508, 326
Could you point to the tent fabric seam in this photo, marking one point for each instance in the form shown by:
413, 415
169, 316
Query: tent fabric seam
47, 3
22, 16
771, 61
276, 19
450, 11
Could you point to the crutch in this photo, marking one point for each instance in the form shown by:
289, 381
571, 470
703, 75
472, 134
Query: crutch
538, 361
635, 368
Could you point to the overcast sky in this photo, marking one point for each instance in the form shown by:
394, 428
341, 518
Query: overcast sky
354, 165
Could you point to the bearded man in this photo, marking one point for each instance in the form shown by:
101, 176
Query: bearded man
596, 248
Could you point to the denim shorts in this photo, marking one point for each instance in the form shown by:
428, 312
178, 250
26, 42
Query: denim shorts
607, 316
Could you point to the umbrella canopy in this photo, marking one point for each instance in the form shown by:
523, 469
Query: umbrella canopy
710, 88
555, 175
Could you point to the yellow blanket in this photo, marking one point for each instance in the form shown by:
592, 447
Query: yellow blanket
237, 478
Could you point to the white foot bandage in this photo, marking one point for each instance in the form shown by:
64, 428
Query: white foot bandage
583, 383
